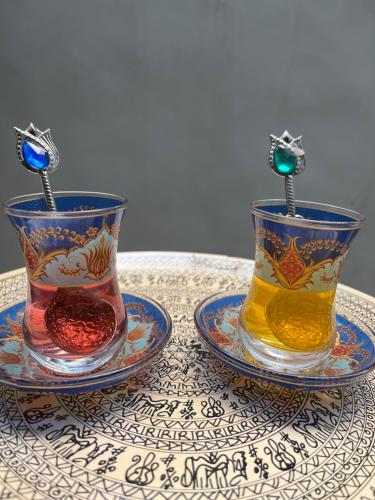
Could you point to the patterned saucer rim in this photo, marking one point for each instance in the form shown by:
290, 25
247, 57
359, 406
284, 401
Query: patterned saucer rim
269, 375
317, 385
98, 379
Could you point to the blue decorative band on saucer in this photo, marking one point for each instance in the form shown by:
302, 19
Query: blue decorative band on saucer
149, 329
352, 358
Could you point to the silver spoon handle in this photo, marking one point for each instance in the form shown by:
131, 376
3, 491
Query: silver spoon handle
289, 195
48, 191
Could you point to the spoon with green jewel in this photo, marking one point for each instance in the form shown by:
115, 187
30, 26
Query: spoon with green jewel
287, 158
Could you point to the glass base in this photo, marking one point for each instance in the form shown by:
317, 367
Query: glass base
78, 365
279, 359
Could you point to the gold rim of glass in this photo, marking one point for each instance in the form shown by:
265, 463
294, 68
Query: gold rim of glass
355, 219
92, 212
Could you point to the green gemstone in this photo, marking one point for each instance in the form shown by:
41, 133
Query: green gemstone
285, 163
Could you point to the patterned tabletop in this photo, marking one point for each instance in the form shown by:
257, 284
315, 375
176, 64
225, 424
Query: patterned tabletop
187, 427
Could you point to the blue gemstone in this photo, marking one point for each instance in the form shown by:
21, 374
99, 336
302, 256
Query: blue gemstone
35, 156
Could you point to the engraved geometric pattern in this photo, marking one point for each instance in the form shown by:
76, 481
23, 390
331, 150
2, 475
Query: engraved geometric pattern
187, 427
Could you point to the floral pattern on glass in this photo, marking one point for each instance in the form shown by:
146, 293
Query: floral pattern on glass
87, 256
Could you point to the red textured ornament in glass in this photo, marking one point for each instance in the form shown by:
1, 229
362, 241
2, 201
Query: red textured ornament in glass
80, 323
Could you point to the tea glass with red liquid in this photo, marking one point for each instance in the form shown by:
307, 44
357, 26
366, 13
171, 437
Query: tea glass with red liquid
75, 320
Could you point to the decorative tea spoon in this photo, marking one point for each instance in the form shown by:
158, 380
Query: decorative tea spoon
37, 152
287, 158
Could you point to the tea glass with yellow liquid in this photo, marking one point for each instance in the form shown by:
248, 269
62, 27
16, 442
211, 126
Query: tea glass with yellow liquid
288, 320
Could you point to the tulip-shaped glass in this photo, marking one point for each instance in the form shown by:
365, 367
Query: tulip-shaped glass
288, 319
75, 320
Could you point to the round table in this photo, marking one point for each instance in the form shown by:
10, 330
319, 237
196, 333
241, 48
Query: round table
187, 427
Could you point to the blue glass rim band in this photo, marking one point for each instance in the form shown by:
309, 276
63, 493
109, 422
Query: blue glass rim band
315, 215
107, 203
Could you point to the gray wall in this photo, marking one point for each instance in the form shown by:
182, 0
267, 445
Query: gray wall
171, 102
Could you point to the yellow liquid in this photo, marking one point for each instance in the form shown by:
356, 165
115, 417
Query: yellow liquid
292, 320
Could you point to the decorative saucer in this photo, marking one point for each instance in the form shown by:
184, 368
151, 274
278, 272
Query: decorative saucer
352, 358
149, 328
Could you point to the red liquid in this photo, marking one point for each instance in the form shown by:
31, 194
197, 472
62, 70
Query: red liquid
71, 322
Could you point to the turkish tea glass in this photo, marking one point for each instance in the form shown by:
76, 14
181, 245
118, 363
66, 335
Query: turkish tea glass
288, 319
75, 320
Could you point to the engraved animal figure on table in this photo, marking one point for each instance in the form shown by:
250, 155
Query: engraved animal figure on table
201, 354
92, 453
328, 417
313, 427
214, 471
151, 407
70, 440
248, 391
163, 367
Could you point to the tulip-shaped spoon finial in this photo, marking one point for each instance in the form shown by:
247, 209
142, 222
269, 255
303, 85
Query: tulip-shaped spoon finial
287, 158
37, 152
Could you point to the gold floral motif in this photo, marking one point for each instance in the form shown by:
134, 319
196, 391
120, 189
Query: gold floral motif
98, 259
310, 247
291, 271
74, 271
38, 235
44, 260
136, 334
92, 232
266, 234
14, 329
81, 240
35, 263
327, 280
